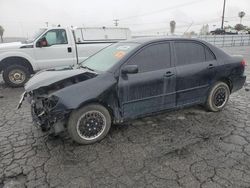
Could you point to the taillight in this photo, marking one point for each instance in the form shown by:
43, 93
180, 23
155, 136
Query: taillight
243, 63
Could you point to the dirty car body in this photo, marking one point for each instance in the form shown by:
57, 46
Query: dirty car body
138, 78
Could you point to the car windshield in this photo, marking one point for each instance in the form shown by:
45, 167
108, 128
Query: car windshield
109, 56
36, 35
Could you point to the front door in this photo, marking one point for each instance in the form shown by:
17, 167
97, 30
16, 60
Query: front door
152, 89
58, 51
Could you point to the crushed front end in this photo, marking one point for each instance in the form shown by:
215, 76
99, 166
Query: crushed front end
48, 112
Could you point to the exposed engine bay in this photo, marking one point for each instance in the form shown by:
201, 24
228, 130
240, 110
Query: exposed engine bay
46, 108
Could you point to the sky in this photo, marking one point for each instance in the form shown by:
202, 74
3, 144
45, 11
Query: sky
21, 18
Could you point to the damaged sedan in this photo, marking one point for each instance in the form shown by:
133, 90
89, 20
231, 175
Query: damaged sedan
132, 79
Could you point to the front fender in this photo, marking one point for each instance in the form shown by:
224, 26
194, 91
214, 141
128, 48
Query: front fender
101, 88
26, 56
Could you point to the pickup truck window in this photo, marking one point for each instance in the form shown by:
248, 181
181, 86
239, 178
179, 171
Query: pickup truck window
154, 57
109, 56
56, 36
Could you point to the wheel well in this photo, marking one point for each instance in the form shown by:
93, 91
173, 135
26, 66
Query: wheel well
16, 61
111, 112
228, 82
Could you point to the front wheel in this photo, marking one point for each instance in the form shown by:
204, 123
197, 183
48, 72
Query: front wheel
16, 75
218, 97
89, 124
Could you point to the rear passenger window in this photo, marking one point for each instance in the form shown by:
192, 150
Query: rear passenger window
189, 53
151, 58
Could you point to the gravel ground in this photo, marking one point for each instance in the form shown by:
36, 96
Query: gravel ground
185, 148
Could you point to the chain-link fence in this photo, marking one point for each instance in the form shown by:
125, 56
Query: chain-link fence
226, 40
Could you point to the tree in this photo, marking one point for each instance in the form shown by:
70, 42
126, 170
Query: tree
190, 34
239, 27
1, 32
248, 29
172, 26
204, 30
241, 15
228, 27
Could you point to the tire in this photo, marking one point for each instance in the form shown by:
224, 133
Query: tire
16, 75
89, 117
218, 97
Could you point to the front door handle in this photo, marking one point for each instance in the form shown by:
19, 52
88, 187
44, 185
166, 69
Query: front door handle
69, 49
168, 74
210, 66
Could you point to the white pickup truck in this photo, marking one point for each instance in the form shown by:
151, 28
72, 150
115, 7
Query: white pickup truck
53, 47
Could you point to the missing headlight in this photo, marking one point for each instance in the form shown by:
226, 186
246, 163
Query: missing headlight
50, 103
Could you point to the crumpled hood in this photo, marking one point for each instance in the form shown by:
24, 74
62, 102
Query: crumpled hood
11, 45
51, 76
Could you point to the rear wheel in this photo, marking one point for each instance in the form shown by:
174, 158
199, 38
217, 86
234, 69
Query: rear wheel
89, 124
16, 75
218, 97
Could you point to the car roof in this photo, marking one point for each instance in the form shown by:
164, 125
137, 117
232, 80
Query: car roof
143, 40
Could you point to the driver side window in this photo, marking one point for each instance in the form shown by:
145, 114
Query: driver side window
56, 36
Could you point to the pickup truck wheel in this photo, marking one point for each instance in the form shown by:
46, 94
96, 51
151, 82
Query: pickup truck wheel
89, 124
16, 75
218, 97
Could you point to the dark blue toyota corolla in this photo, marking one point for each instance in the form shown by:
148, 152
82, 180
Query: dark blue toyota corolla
132, 79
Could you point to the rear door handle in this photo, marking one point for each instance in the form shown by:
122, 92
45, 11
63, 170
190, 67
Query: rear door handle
210, 66
168, 74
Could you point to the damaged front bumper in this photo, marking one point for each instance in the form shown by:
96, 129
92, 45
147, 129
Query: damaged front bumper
23, 96
54, 122
47, 112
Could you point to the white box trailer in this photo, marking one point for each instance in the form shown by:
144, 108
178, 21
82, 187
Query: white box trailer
102, 34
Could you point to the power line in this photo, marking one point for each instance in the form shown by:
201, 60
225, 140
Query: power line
157, 11
236, 16
153, 23
162, 10
185, 25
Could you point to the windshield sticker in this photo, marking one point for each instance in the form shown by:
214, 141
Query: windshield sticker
120, 54
123, 48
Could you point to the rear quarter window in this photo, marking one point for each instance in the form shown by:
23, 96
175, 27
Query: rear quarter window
209, 55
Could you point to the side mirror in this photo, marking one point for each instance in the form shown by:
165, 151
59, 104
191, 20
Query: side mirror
42, 42
130, 69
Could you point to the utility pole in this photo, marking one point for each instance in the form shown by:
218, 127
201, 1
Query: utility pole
116, 22
223, 15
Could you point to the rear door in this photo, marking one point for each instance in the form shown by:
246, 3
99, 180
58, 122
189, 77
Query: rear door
195, 66
153, 88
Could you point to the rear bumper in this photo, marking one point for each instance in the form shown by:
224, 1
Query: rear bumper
238, 83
